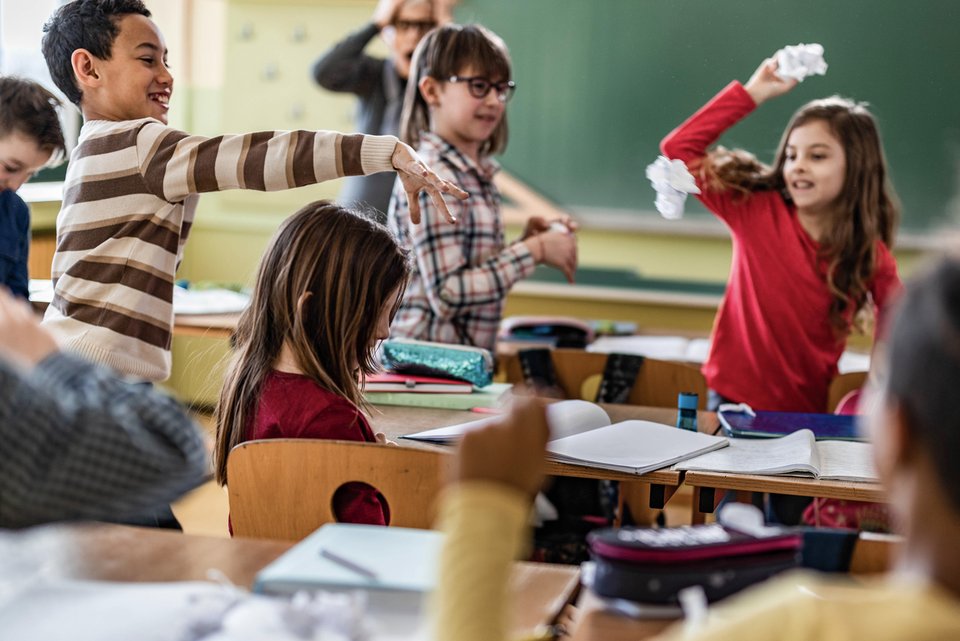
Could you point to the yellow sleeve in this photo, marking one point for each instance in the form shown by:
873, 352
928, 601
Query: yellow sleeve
486, 530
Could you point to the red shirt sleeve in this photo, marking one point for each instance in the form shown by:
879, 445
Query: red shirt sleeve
689, 142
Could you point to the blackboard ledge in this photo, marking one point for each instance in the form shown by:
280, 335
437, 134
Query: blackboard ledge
705, 226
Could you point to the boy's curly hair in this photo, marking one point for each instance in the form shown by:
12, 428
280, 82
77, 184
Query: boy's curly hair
83, 24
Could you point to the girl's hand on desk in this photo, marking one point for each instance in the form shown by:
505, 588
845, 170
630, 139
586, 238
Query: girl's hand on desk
22, 340
765, 83
416, 177
511, 451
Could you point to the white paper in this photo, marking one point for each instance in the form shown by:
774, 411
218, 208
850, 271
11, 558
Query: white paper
208, 301
191, 611
799, 61
672, 182
847, 461
794, 453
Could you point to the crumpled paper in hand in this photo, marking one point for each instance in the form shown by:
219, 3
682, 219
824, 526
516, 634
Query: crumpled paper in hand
672, 181
800, 61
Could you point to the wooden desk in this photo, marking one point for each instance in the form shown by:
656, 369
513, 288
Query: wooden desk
205, 325
594, 622
396, 421
709, 488
127, 554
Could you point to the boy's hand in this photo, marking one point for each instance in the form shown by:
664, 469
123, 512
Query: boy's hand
385, 12
765, 83
509, 452
22, 340
416, 176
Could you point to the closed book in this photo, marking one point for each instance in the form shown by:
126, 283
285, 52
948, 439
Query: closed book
396, 566
493, 395
387, 382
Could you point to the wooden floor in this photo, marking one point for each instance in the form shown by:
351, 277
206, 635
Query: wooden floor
204, 510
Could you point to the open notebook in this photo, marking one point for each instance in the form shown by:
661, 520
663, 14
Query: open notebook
797, 454
581, 434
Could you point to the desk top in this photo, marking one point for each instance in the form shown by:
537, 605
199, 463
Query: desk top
396, 421
121, 553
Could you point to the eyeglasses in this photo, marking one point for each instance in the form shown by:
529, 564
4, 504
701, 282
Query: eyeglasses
480, 87
421, 26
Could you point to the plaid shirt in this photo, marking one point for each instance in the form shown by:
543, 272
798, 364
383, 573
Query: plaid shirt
79, 443
464, 270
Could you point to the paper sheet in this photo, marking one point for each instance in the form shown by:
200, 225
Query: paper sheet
672, 182
799, 61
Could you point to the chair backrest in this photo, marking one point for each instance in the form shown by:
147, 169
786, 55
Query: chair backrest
658, 383
874, 553
283, 488
841, 386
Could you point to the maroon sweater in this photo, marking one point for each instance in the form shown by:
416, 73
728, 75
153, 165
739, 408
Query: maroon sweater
773, 346
293, 406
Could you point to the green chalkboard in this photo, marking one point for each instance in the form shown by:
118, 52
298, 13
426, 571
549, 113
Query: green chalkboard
600, 82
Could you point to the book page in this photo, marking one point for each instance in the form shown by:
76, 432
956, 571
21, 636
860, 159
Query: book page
632, 446
846, 461
792, 454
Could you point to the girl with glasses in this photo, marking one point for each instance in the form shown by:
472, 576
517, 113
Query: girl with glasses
455, 112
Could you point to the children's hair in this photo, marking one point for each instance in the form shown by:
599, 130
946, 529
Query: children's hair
83, 24
924, 367
30, 110
321, 287
869, 209
447, 51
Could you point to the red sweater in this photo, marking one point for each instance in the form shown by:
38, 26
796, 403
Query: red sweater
773, 346
293, 406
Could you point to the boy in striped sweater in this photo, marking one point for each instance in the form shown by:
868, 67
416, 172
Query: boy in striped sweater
133, 182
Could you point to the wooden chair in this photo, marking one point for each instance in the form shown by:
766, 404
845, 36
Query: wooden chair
874, 553
283, 488
579, 374
841, 386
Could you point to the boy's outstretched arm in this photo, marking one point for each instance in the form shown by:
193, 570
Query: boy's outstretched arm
175, 165
499, 469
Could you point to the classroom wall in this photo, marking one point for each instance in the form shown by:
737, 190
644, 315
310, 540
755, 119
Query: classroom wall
244, 65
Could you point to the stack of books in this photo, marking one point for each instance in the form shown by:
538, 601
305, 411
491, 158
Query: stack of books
424, 391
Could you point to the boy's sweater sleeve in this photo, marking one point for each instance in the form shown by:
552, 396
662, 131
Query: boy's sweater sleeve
175, 164
344, 67
485, 527
440, 251
84, 444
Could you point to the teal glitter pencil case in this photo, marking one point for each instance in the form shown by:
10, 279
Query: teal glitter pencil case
406, 356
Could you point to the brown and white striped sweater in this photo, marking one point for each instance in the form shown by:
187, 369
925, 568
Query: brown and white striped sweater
129, 199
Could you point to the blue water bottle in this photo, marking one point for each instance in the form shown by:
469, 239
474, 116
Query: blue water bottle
687, 411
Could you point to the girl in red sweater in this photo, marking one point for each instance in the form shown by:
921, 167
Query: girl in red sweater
327, 288
811, 242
